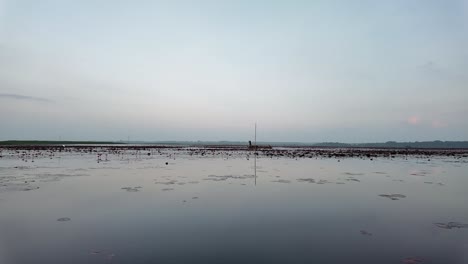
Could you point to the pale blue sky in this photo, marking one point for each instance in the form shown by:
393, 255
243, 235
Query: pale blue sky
350, 71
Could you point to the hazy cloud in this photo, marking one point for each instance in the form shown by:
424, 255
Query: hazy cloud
24, 97
414, 120
418, 121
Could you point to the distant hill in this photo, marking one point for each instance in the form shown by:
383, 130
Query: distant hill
394, 144
51, 142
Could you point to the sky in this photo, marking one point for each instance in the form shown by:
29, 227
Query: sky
305, 71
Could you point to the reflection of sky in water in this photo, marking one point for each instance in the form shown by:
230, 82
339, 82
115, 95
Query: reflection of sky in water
180, 214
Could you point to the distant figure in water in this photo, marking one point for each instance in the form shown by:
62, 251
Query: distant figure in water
255, 147
252, 146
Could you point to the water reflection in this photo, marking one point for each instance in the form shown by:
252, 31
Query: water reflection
144, 211
255, 168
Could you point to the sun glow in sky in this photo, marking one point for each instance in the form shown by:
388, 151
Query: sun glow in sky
310, 71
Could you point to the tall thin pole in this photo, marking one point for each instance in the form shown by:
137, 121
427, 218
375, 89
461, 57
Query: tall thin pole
255, 154
255, 135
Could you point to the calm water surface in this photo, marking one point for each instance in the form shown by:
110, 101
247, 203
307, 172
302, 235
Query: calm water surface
212, 209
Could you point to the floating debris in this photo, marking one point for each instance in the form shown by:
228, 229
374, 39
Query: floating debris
167, 189
64, 219
132, 189
308, 180
393, 196
353, 179
166, 182
420, 173
353, 174
365, 233
226, 177
30, 188
193, 182
451, 225
282, 181
215, 179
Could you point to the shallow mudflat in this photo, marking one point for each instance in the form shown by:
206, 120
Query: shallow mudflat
139, 204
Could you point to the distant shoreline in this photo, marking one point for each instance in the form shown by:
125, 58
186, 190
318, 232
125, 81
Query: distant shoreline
234, 150
387, 145
52, 143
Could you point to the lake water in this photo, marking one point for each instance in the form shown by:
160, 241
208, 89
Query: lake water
225, 207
